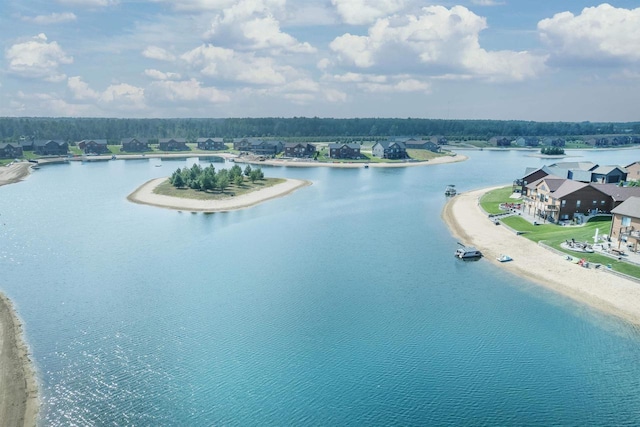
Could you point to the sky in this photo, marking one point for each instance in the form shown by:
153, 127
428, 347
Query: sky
541, 60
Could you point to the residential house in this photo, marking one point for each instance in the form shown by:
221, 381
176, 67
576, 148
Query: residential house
500, 141
625, 225
93, 146
553, 142
344, 151
608, 174
617, 194
555, 199
50, 148
133, 145
633, 171
420, 144
259, 147
296, 149
389, 150
172, 144
10, 150
213, 144
527, 141
27, 144
440, 140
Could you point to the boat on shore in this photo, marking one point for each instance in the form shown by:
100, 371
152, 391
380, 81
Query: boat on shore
467, 252
450, 190
504, 258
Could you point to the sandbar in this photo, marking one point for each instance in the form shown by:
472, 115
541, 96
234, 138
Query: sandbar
19, 402
145, 195
14, 173
595, 287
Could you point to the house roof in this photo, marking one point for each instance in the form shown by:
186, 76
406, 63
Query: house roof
43, 142
209, 139
553, 183
9, 144
567, 187
340, 145
535, 183
618, 194
606, 170
295, 144
97, 141
178, 140
630, 207
632, 164
387, 144
580, 175
587, 166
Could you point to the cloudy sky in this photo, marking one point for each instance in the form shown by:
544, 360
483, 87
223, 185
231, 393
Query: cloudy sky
543, 60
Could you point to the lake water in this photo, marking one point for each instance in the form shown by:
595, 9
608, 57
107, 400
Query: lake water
340, 304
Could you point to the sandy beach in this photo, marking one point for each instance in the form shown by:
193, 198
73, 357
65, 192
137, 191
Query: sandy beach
18, 387
14, 173
145, 195
306, 163
594, 287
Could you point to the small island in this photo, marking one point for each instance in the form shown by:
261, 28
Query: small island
207, 190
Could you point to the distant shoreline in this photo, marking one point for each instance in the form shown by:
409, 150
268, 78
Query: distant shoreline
19, 404
594, 287
145, 195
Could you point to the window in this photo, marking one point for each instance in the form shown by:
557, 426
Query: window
564, 203
602, 202
595, 202
577, 203
626, 221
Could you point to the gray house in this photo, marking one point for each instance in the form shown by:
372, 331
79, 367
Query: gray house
389, 150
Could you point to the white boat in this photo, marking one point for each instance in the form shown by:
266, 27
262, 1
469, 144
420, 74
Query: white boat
466, 252
504, 258
450, 191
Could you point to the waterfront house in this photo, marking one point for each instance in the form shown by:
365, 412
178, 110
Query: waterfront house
10, 150
420, 144
296, 149
440, 140
258, 147
50, 148
93, 146
173, 144
133, 145
625, 225
344, 151
633, 171
500, 141
212, 144
26, 144
555, 199
617, 194
389, 150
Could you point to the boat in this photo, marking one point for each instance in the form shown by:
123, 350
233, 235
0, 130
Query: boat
467, 252
450, 191
504, 258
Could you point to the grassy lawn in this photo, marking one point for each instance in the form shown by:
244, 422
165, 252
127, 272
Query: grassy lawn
425, 155
167, 189
491, 201
553, 235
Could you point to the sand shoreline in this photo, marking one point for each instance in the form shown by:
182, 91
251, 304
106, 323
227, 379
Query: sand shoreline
19, 402
14, 173
594, 287
145, 195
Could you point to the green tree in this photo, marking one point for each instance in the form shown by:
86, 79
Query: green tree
254, 175
238, 180
247, 170
223, 182
176, 179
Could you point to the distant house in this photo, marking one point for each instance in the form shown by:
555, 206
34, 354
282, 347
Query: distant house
440, 140
293, 149
50, 148
500, 141
625, 226
10, 150
419, 144
344, 151
633, 171
93, 146
173, 144
133, 145
259, 147
213, 144
389, 150
27, 145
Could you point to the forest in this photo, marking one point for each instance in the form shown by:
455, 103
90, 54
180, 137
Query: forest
311, 128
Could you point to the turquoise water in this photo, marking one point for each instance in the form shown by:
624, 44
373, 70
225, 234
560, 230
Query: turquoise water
340, 304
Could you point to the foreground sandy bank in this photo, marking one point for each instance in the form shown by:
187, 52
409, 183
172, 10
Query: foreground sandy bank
18, 387
14, 173
595, 287
145, 195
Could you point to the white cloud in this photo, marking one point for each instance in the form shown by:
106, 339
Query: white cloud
122, 95
197, 5
598, 34
438, 41
333, 95
54, 18
401, 85
155, 52
351, 77
37, 58
187, 90
360, 12
487, 2
159, 75
213, 61
253, 25
89, 3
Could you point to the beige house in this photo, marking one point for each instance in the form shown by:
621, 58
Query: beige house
633, 171
625, 226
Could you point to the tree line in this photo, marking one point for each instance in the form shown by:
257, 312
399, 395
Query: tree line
113, 130
207, 179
